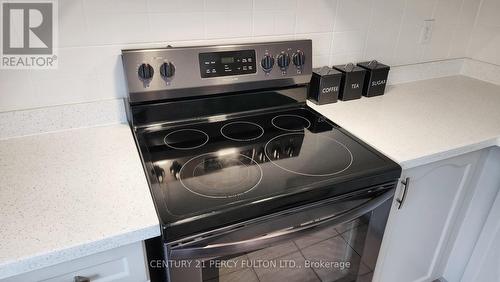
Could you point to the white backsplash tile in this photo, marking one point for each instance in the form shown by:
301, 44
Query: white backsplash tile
174, 6
92, 33
485, 38
484, 44
468, 12
228, 24
170, 27
439, 45
460, 41
273, 23
348, 41
17, 90
447, 11
489, 13
72, 30
320, 61
352, 15
315, 15
281, 5
383, 31
115, 6
66, 88
321, 42
345, 58
239, 6
408, 50
116, 28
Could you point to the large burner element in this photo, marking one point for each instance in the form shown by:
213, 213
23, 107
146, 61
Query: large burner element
215, 176
318, 155
242, 131
186, 139
290, 122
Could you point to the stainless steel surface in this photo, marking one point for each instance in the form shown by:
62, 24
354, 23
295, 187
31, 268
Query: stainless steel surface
292, 232
406, 184
186, 81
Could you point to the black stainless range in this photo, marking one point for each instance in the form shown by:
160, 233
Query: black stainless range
249, 183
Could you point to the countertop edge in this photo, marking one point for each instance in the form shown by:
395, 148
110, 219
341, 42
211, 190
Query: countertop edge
454, 152
55, 257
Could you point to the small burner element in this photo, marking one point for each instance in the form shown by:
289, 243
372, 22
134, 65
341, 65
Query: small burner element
186, 139
290, 122
220, 176
242, 131
308, 155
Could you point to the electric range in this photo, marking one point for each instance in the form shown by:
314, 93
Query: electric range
227, 141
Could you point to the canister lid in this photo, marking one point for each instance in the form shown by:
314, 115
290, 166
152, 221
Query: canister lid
323, 71
373, 65
350, 67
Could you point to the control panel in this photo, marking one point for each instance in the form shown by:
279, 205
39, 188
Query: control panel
227, 63
171, 73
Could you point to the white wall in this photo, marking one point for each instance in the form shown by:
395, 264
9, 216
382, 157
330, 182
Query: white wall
92, 33
485, 39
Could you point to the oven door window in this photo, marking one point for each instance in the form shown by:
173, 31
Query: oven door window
334, 242
331, 254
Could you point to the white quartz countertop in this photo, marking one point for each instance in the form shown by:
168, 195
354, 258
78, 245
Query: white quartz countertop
71, 193
421, 122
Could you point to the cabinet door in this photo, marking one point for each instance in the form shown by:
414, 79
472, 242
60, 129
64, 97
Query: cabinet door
484, 264
417, 234
123, 264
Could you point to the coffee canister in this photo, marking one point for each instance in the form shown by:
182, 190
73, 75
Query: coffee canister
325, 85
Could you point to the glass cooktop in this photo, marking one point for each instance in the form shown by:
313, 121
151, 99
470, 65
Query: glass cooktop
253, 163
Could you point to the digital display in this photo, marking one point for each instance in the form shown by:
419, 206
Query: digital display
227, 60
226, 63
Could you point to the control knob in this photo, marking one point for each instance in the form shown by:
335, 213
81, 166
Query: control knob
145, 71
299, 58
267, 63
167, 70
283, 60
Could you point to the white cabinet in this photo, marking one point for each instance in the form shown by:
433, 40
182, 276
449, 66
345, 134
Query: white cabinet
476, 254
419, 235
484, 264
124, 264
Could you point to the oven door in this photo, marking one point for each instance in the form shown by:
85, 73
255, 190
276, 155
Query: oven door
336, 239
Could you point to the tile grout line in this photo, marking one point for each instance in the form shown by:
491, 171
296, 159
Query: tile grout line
365, 45
304, 257
400, 30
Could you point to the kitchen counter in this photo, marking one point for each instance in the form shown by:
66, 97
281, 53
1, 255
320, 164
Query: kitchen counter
72, 193
421, 122
69, 194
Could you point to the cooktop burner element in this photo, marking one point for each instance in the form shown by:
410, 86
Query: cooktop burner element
242, 131
290, 122
186, 139
223, 173
281, 151
220, 176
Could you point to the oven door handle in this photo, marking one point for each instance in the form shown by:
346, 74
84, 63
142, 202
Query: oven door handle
237, 247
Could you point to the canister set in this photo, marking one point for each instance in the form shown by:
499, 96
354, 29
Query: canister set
347, 82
